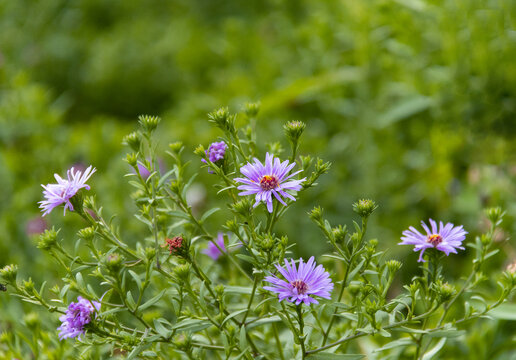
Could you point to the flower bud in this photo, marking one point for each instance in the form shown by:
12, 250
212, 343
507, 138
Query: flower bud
149, 123
32, 320
223, 120
275, 148
132, 159
232, 226
393, 266
114, 262
485, 239
176, 147
150, 252
339, 234
182, 272
294, 130
316, 214
364, 207
89, 202
9, 272
200, 151
29, 286
6, 337
243, 207
252, 109
306, 162
47, 240
87, 234
444, 291
133, 140
495, 215
219, 290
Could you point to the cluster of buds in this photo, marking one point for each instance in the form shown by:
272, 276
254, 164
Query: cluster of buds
149, 123
364, 207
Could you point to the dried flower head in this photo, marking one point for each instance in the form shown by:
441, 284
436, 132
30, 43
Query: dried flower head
269, 180
301, 282
64, 190
174, 245
447, 238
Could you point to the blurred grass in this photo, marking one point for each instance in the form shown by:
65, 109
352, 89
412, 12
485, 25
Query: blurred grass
412, 101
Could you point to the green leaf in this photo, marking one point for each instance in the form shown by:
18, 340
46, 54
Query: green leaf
447, 333
136, 279
130, 300
406, 108
165, 177
330, 356
152, 301
430, 354
238, 290
232, 315
504, 312
243, 338
192, 325
272, 319
208, 213
396, 343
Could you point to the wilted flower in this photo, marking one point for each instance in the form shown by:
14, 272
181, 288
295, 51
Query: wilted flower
77, 315
268, 180
302, 282
212, 250
447, 238
175, 244
64, 190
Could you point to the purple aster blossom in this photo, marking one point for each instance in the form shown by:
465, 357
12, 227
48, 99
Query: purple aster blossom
64, 190
212, 250
302, 282
77, 315
144, 172
447, 238
268, 180
216, 151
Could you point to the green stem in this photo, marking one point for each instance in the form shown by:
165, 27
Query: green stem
301, 336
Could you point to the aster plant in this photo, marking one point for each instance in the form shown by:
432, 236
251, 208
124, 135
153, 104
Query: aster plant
150, 292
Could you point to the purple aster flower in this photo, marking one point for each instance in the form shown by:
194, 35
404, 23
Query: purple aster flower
268, 180
64, 190
212, 250
216, 151
447, 238
77, 315
302, 282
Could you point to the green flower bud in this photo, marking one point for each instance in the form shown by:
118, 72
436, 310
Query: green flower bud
316, 214
47, 240
150, 253
306, 162
6, 337
133, 140
87, 234
364, 207
176, 147
149, 123
32, 320
339, 234
354, 289
294, 130
252, 109
393, 266
9, 272
243, 207
132, 159
485, 239
182, 272
89, 202
266, 243
275, 148
495, 215
232, 226
28, 285
223, 120
200, 151
114, 262
219, 290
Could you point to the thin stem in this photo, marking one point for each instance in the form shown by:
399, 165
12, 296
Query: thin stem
301, 336
255, 285
278, 342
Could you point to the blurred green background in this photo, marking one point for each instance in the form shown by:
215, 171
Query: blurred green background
413, 101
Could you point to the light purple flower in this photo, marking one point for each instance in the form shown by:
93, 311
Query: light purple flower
144, 172
268, 180
216, 151
35, 226
77, 315
446, 239
64, 190
212, 250
301, 283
